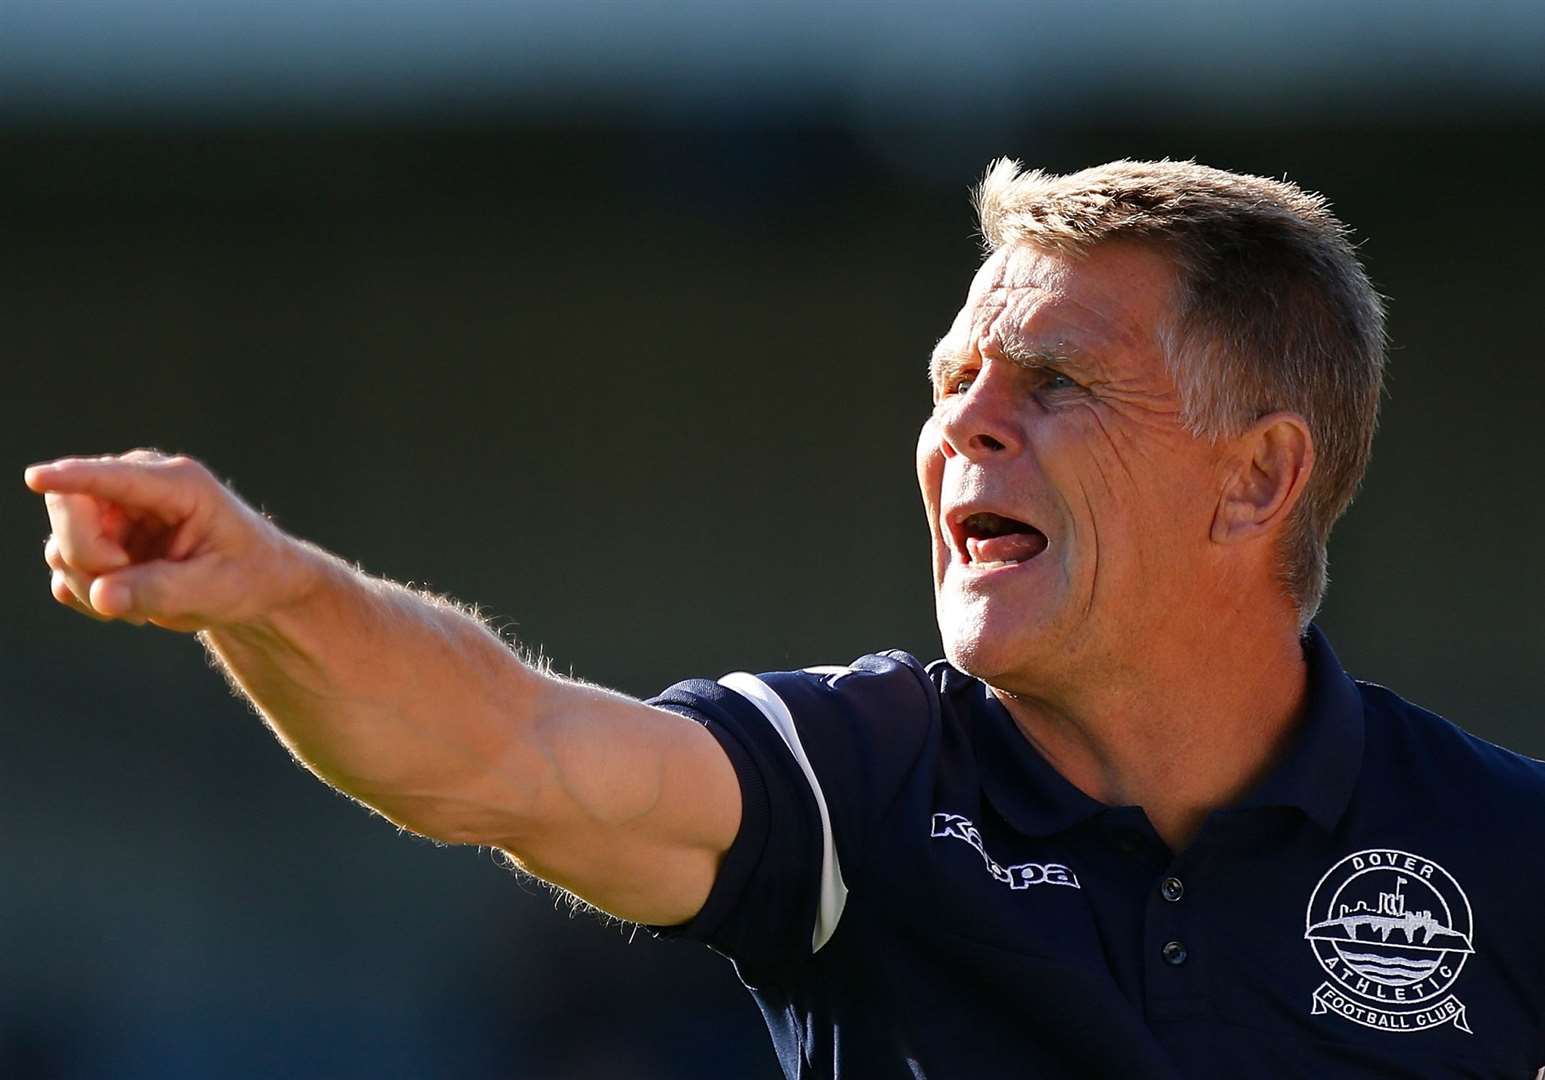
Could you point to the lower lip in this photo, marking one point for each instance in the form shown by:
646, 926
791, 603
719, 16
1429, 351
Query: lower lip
989, 569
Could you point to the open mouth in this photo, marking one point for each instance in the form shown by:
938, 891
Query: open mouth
991, 541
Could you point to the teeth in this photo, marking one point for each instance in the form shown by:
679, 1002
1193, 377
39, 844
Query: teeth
995, 565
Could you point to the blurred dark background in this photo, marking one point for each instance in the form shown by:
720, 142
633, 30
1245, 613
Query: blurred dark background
613, 320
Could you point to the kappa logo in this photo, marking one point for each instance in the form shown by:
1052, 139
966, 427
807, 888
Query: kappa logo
1393, 931
1019, 876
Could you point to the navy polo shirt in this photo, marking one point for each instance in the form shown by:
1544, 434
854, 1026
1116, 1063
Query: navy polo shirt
914, 892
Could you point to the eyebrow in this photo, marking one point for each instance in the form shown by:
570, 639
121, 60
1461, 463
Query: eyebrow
1037, 355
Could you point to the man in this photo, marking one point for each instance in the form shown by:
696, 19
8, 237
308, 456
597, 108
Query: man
1140, 823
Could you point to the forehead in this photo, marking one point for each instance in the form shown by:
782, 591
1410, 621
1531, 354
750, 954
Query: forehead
1110, 300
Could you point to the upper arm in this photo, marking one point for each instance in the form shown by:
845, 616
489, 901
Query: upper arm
820, 754
628, 806
737, 808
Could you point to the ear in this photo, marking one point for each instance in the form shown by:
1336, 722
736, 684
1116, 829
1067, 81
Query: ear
1268, 467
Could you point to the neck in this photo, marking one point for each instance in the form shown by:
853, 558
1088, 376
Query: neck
1179, 734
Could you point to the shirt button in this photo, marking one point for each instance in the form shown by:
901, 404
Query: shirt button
1174, 954
1172, 889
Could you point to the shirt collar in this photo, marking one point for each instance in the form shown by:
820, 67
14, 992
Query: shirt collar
1021, 785
1317, 773
1319, 770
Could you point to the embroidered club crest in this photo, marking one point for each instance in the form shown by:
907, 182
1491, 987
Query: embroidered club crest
1393, 931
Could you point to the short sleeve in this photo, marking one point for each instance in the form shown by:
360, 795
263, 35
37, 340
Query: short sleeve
820, 754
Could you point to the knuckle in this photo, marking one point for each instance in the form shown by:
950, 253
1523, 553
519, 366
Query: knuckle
187, 467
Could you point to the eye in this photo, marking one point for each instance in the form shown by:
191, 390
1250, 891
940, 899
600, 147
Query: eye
1052, 379
954, 384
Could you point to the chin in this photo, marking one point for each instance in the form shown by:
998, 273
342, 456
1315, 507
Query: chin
971, 658
988, 661
999, 655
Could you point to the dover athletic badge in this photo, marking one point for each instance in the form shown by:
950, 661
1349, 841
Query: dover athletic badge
1392, 931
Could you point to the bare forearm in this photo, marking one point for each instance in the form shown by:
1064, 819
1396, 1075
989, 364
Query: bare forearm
400, 700
403, 701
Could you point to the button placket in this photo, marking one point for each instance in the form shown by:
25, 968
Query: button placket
1171, 938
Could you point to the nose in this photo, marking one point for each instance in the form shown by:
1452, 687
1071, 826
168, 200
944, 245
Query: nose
983, 421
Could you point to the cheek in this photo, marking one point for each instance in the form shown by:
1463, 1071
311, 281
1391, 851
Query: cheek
1152, 489
930, 468
1086, 466
930, 482
1129, 485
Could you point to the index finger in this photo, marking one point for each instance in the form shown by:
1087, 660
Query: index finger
161, 487
79, 537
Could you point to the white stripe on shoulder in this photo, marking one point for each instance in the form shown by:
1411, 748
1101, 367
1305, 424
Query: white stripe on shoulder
834, 892
831, 673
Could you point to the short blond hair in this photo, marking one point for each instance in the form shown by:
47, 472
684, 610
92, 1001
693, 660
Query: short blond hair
1272, 311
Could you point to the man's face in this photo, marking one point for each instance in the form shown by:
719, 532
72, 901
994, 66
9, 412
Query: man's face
1071, 512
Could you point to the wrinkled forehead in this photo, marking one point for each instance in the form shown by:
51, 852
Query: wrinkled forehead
1026, 299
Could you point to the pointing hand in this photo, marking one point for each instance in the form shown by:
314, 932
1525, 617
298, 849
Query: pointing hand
147, 537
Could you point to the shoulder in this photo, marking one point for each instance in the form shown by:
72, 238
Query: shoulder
882, 683
1416, 748
1470, 813
888, 688
874, 716
865, 725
